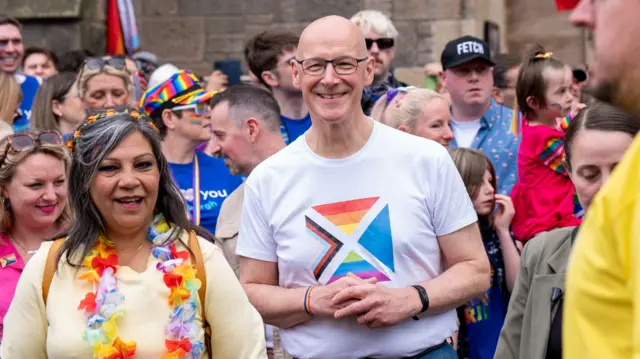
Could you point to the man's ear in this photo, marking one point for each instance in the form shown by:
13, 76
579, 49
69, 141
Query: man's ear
497, 95
253, 129
296, 72
270, 78
370, 71
169, 119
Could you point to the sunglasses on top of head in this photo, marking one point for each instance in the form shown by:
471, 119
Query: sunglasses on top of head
25, 141
383, 43
97, 63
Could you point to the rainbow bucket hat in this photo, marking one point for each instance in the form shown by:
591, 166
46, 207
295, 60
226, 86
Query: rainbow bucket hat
181, 89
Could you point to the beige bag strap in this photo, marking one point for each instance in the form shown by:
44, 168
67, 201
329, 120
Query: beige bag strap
197, 260
199, 263
50, 268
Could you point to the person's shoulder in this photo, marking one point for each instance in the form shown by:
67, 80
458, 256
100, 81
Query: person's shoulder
543, 246
286, 161
499, 111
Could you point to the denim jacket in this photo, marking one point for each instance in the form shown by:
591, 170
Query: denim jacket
497, 142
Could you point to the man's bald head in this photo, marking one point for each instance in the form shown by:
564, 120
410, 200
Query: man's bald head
332, 31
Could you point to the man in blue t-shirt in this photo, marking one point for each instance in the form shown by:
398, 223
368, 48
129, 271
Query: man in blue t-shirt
269, 55
176, 103
11, 51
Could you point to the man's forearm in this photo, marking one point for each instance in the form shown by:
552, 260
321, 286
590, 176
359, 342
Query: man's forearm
457, 285
278, 306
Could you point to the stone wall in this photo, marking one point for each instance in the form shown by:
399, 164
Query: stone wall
194, 33
537, 22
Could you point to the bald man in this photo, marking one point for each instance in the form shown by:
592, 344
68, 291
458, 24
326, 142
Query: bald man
357, 240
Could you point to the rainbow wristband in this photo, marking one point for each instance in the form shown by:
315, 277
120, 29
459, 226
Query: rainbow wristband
307, 301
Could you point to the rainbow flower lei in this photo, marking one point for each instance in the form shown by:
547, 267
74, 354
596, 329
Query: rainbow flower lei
105, 304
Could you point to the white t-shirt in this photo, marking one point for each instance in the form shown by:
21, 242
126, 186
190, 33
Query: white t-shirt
374, 213
465, 132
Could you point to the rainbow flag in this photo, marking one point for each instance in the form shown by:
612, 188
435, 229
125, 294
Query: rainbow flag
122, 32
516, 119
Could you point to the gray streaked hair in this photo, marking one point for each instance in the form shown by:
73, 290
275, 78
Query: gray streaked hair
97, 140
377, 21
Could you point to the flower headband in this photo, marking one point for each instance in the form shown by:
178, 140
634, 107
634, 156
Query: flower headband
134, 113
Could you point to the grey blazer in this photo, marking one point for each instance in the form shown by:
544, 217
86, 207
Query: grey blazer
542, 267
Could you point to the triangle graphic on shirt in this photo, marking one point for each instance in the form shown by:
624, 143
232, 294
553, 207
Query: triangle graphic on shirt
377, 239
346, 215
354, 263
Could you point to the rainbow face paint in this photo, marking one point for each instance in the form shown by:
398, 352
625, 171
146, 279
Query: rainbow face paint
194, 120
556, 107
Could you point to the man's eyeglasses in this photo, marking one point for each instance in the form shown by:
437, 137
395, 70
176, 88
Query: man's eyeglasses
383, 43
25, 141
342, 65
199, 108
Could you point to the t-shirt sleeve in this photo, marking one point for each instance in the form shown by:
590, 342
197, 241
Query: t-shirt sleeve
551, 150
255, 238
452, 207
25, 325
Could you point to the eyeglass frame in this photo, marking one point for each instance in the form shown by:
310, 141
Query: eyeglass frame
193, 107
376, 41
36, 142
327, 62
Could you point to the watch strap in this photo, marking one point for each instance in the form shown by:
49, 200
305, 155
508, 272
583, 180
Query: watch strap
424, 299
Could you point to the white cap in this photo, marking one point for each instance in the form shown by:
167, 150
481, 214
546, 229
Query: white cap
162, 74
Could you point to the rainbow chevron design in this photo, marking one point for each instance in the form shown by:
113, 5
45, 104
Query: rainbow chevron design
8, 260
376, 239
330, 243
553, 155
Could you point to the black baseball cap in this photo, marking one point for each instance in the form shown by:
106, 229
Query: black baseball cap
464, 49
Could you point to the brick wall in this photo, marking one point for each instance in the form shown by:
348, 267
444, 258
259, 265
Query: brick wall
194, 33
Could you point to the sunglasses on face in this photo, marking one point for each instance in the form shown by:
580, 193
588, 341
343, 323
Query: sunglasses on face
199, 109
383, 43
25, 141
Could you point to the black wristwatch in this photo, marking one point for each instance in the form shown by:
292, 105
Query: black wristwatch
424, 299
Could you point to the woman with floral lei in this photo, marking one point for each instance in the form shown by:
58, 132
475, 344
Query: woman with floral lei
126, 283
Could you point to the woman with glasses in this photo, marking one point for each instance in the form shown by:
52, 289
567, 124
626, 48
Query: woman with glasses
33, 196
10, 97
56, 106
105, 82
134, 278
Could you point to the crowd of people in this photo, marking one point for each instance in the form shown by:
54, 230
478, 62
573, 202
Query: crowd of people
326, 209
